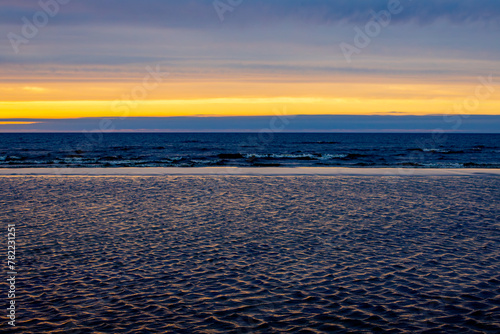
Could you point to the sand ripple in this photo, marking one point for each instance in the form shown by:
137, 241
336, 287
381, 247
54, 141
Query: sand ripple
256, 254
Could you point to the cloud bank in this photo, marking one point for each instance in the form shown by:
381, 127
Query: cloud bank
198, 14
312, 123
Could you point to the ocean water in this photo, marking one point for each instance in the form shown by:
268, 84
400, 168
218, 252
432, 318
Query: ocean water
250, 150
296, 254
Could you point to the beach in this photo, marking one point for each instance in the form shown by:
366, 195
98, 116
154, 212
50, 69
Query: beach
248, 171
198, 251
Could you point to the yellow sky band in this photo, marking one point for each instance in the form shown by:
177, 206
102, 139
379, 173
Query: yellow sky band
246, 107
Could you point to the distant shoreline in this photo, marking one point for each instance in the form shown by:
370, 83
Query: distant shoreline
246, 171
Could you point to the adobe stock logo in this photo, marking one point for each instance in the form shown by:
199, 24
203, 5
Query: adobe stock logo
221, 7
372, 29
31, 27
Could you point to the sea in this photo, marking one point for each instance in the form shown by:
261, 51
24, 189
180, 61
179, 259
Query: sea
265, 149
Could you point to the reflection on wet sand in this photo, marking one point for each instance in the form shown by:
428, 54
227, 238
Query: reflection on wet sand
256, 254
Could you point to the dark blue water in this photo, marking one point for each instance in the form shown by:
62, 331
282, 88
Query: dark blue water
250, 150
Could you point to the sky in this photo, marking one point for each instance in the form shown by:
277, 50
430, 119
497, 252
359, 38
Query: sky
73, 59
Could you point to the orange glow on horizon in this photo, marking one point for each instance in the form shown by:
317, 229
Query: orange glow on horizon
17, 123
239, 98
236, 107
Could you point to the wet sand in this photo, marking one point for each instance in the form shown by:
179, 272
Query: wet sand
256, 254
